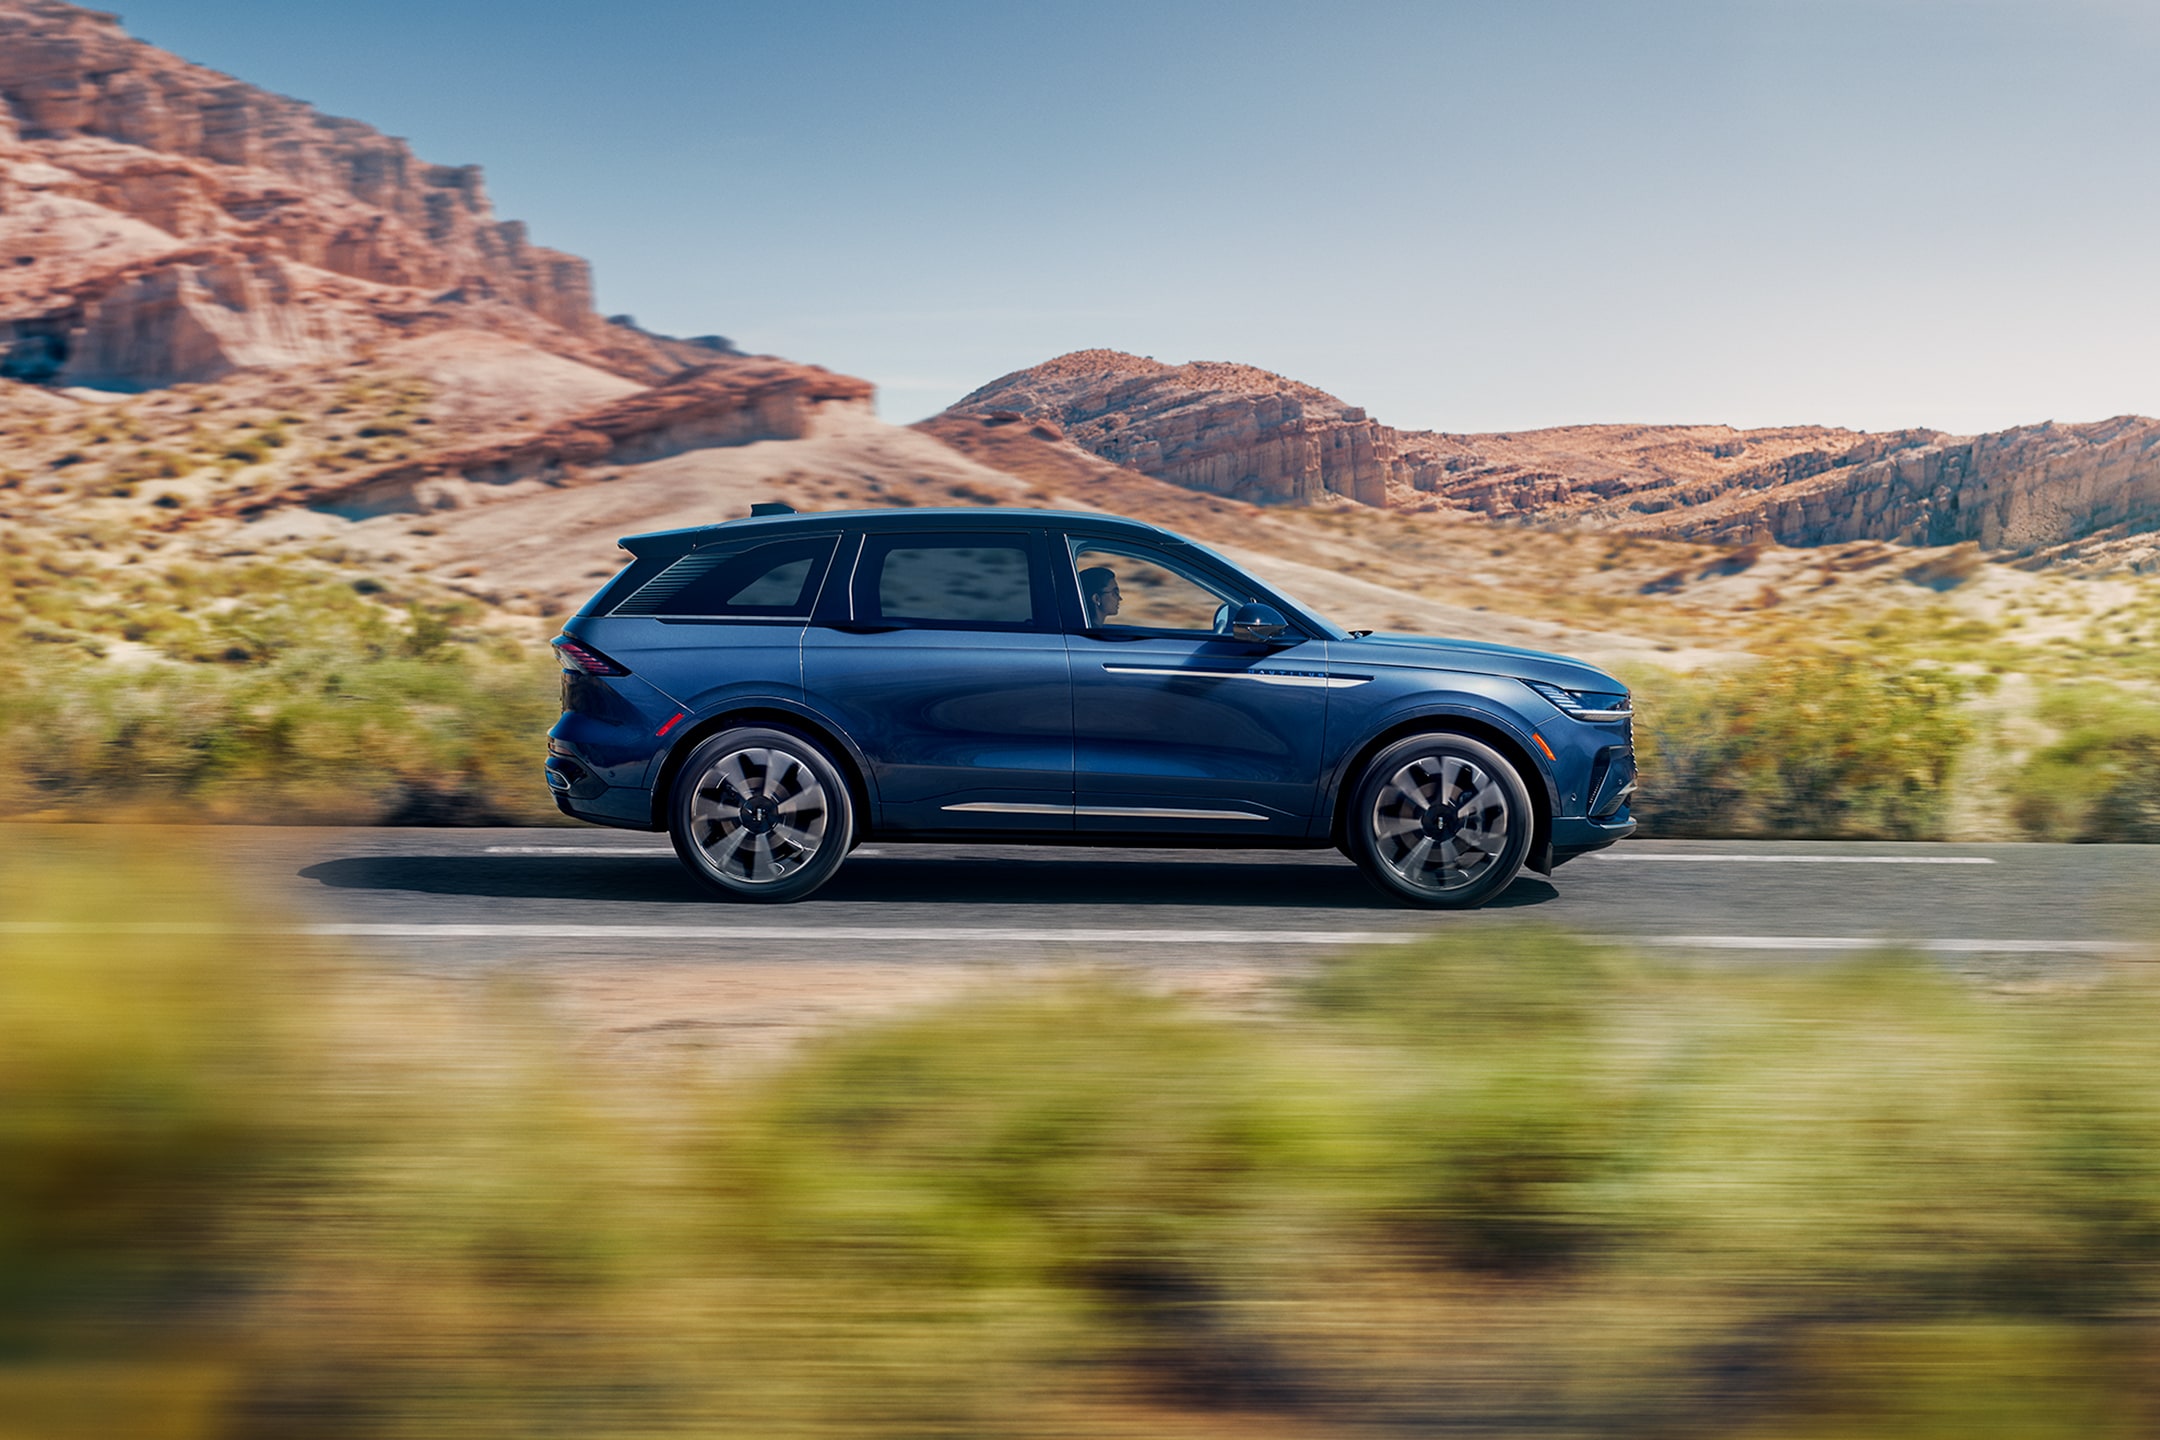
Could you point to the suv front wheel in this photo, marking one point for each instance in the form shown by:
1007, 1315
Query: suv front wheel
1440, 820
761, 814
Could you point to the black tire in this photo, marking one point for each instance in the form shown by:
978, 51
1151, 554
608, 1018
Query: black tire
1439, 820
761, 814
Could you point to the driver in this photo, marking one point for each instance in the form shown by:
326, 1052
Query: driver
1099, 594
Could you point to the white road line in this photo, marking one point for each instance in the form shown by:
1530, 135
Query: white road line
1796, 859
820, 934
1883, 942
579, 850
1633, 855
641, 851
949, 934
453, 930
1636, 855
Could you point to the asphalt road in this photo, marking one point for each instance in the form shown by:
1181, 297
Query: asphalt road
457, 897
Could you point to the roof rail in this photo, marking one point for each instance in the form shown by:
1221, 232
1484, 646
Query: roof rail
771, 507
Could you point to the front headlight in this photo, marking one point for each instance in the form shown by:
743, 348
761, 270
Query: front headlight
1586, 704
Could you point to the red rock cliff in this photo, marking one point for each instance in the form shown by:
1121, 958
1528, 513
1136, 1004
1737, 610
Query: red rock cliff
1227, 429
161, 222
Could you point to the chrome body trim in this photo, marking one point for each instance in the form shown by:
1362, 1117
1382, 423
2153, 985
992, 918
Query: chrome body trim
1115, 812
1305, 679
1150, 812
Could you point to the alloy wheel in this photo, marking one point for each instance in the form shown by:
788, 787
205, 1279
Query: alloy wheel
759, 815
1441, 823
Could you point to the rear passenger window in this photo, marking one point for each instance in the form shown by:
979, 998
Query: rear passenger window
957, 581
778, 580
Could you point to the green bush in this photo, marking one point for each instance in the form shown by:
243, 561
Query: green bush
276, 691
2100, 781
1822, 746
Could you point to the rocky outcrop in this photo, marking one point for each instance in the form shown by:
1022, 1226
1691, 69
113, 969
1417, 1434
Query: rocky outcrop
1244, 432
162, 222
2024, 491
2051, 492
731, 402
1226, 429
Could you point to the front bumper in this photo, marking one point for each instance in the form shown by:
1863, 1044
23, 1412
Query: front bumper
1580, 836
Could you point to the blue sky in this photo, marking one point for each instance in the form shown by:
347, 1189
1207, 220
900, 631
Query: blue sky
1462, 216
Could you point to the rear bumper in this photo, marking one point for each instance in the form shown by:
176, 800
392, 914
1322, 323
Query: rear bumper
583, 794
623, 809
584, 758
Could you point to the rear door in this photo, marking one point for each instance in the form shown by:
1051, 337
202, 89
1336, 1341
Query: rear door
948, 668
1179, 726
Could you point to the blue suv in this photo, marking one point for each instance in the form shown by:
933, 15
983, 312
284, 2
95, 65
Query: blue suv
774, 691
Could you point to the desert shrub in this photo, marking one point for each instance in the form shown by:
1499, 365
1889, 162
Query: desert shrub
2100, 781
1829, 745
280, 691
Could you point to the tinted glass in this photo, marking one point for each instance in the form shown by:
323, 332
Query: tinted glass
1125, 587
973, 580
775, 581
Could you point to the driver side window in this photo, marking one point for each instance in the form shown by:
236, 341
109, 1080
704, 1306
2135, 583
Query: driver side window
1127, 587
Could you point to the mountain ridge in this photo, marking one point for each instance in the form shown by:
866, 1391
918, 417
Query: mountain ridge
2087, 493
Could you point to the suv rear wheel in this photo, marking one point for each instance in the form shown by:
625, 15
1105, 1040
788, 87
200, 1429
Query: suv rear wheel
761, 814
1440, 820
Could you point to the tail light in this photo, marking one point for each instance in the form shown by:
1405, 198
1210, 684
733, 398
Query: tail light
580, 657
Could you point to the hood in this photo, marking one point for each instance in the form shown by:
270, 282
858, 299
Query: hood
1477, 656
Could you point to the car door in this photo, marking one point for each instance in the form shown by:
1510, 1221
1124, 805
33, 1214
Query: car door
1178, 726
948, 668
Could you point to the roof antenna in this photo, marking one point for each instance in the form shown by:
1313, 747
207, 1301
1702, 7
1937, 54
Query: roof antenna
771, 507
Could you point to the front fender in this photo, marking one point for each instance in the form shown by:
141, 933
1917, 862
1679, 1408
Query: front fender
1411, 715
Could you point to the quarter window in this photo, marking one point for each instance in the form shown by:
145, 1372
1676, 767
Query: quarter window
957, 581
775, 581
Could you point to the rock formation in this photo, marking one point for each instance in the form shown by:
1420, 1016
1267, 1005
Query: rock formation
2047, 491
2026, 491
1227, 429
161, 222
722, 404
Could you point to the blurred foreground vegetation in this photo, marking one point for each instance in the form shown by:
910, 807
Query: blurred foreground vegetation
248, 1188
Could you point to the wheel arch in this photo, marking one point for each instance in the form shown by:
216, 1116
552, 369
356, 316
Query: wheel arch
852, 767
1516, 751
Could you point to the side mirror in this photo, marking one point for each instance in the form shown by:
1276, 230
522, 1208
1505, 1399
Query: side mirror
1258, 623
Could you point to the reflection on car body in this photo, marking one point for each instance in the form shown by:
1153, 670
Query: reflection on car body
773, 691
